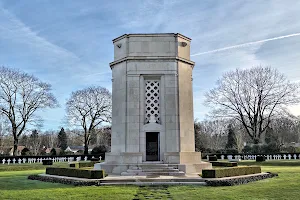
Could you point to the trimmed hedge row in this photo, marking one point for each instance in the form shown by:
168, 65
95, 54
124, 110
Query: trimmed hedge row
231, 171
224, 164
63, 180
47, 162
74, 172
82, 164
212, 158
239, 180
260, 158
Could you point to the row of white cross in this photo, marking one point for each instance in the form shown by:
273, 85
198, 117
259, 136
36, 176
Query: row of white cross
40, 160
268, 157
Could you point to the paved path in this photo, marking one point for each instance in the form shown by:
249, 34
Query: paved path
153, 192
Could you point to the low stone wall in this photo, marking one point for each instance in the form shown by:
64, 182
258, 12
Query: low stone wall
63, 180
230, 181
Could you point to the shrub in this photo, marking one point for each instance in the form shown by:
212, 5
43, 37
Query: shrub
232, 151
271, 148
212, 158
230, 171
53, 152
25, 152
224, 164
260, 158
74, 172
99, 149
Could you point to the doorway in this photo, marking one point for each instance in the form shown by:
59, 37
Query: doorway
152, 146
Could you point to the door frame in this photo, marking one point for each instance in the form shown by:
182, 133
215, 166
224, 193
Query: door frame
158, 146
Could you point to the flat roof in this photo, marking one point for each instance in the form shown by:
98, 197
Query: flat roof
151, 35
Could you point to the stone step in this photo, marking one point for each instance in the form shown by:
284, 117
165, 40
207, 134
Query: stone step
129, 174
151, 167
179, 173
198, 180
156, 183
151, 170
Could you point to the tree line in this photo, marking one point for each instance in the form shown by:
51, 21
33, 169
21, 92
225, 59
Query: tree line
249, 112
247, 105
22, 95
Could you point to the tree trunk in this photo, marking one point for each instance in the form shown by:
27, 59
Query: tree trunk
16, 141
86, 145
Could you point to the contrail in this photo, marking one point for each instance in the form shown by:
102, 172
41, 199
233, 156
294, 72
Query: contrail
246, 44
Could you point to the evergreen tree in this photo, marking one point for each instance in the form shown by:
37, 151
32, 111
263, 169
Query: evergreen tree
62, 139
53, 152
231, 143
35, 141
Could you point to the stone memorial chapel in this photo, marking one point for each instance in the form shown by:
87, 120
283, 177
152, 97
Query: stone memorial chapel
152, 104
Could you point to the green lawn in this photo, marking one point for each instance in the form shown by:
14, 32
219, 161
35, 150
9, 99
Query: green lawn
14, 185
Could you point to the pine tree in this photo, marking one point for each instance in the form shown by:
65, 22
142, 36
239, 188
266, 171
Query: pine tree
62, 139
35, 141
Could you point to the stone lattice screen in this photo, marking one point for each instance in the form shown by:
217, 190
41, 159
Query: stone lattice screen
152, 100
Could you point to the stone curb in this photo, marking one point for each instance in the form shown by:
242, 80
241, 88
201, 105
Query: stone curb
231, 181
227, 181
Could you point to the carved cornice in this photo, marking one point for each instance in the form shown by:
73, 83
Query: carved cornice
151, 35
154, 58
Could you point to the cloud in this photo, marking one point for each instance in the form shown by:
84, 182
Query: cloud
246, 44
69, 45
16, 31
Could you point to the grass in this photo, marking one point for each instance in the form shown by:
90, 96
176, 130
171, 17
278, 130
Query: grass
15, 185
23, 167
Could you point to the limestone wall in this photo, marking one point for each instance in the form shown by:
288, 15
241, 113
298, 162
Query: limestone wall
186, 120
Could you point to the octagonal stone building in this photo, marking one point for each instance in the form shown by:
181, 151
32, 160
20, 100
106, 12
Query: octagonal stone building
152, 103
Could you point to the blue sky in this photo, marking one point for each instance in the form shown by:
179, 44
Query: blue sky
68, 42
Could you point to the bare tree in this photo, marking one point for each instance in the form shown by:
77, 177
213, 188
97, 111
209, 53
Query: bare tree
50, 139
89, 108
253, 97
211, 134
4, 132
104, 136
239, 136
21, 95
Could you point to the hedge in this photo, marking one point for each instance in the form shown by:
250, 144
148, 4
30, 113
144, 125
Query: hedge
47, 162
231, 171
74, 172
224, 164
82, 164
260, 158
212, 158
